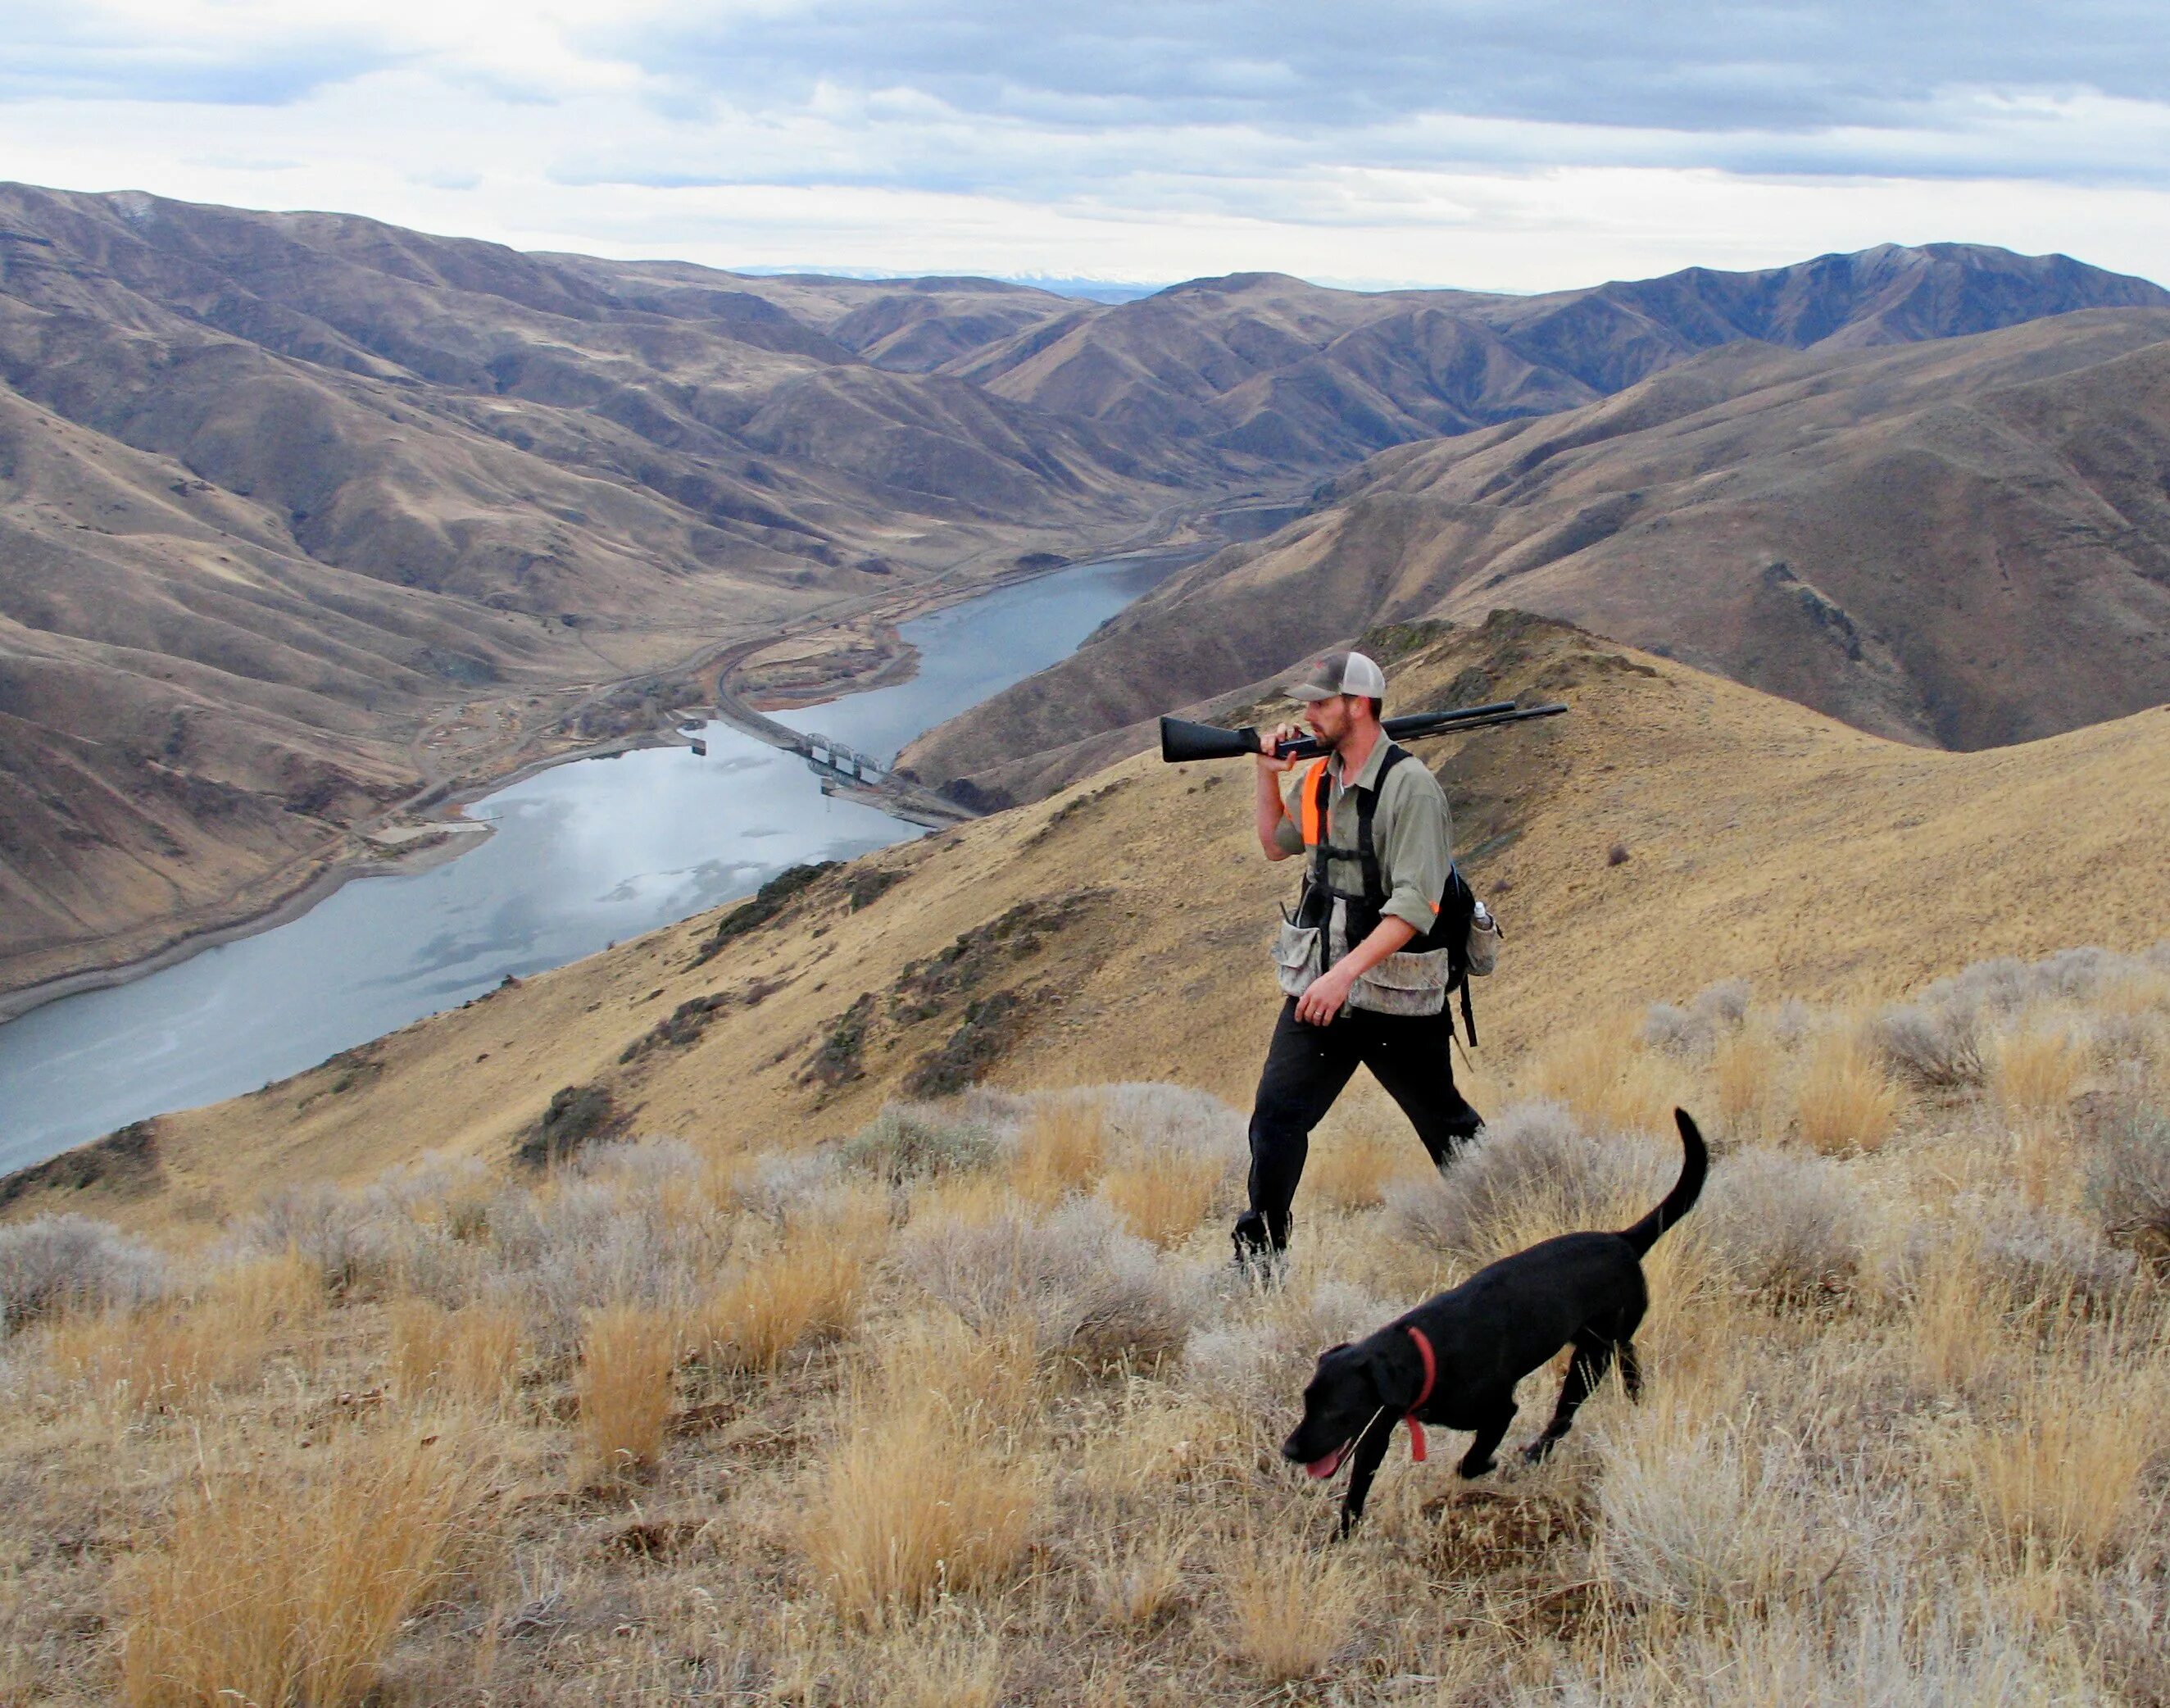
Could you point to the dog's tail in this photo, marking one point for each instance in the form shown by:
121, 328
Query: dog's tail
1685, 1190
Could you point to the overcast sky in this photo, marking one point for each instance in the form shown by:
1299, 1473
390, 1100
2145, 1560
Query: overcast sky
1505, 144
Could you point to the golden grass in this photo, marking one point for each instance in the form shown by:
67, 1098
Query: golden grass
1163, 1194
1289, 1606
1744, 1073
176, 1352
924, 1492
805, 1291
1353, 1169
272, 1589
628, 1359
2036, 1071
1956, 1323
472, 1354
1603, 1072
2063, 1481
1062, 1151
1847, 1100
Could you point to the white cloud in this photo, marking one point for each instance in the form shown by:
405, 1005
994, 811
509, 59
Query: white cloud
1471, 142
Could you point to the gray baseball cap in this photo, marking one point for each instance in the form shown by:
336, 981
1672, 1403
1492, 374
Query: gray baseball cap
1338, 672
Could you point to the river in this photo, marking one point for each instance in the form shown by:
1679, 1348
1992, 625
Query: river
583, 855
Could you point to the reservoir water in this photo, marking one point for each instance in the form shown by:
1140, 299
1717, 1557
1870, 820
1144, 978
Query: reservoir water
583, 855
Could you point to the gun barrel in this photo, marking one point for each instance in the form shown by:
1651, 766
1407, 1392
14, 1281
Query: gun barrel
1180, 741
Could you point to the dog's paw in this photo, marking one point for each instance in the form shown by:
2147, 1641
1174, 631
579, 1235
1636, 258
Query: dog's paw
1538, 1451
1476, 1467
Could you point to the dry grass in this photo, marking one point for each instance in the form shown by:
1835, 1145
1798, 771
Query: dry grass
470, 1354
1605, 1074
1352, 1171
278, 1590
176, 1352
1062, 1151
1847, 1100
2063, 1482
629, 1358
1899, 1442
1289, 1606
923, 1495
772, 1306
1743, 1075
2036, 1071
1164, 1194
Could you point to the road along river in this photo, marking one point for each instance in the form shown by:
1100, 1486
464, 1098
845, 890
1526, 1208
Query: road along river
584, 855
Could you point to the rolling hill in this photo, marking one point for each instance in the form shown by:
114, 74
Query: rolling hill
302, 514
1962, 544
1118, 930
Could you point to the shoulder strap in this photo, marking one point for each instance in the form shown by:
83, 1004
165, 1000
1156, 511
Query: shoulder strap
1367, 804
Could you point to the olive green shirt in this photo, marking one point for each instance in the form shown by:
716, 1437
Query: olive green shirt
1411, 832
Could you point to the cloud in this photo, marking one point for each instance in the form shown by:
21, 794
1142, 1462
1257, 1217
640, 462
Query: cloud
67, 54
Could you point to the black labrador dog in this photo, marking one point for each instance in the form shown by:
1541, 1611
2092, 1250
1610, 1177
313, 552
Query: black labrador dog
1455, 1359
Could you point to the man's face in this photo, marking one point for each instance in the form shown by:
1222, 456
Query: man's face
1329, 718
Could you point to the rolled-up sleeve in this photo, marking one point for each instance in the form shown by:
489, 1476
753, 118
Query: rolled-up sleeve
1417, 847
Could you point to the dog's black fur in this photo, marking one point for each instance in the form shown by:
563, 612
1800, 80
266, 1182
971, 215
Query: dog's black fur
1486, 1335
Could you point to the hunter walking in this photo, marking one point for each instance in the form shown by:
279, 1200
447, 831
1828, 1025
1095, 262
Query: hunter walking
1367, 958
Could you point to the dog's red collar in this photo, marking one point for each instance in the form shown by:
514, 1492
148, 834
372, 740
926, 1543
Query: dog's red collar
1431, 1375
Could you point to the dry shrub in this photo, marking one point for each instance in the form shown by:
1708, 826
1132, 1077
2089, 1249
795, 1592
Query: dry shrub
1164, 1194
472, 1354
1061, 1152
1086, 1287
924, 1494
1532, 1173
2129, 1183
2063, 1482
628, 1356
1705, 1508
768, 1307
2037, 1071
70, 1262
1936, 1048
290, 1589
1787, 1228
908, 1141
1353, 1169
1846, 1101
1289, 1606
1604, 1074
177, 1351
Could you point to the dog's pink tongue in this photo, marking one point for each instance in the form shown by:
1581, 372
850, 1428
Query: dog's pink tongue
1325, 1467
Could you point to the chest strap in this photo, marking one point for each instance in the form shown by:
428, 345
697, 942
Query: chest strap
1317, 826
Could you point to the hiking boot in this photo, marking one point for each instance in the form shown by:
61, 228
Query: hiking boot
1258, 1260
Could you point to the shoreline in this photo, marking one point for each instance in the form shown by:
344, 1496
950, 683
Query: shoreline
327, 877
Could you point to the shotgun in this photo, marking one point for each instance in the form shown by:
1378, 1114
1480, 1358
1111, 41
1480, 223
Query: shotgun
1180, 741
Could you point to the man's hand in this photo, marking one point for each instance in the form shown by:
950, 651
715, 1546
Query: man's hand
1271, 741
1325, 996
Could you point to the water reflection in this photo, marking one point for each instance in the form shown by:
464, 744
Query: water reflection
583, 855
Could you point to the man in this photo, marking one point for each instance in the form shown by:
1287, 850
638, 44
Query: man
1364, 962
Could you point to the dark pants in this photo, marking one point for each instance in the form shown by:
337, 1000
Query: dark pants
1306, 1068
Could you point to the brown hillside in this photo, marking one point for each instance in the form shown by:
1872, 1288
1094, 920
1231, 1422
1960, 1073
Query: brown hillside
1963, 543
1117, 930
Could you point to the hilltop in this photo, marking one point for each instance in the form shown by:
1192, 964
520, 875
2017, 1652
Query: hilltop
1676, 828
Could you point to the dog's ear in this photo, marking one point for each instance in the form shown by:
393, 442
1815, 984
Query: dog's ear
1390, 1381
